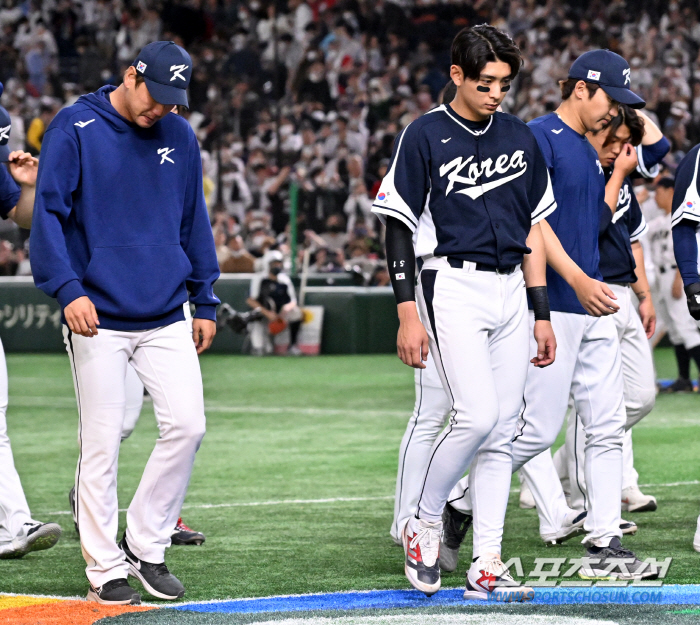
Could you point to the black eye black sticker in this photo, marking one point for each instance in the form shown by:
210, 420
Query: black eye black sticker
483, 89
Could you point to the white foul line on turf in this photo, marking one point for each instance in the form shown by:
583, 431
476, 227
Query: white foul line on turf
252, 504
282, 502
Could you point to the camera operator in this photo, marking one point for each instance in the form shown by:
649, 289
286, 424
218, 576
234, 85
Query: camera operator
273, 292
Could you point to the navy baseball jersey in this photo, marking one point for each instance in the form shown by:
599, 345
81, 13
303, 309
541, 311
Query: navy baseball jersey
618, 232
686, 216
469, 190
650, 156
579, 191
686, 195
9, 192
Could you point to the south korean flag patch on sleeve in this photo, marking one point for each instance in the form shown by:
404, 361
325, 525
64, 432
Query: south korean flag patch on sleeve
400, 276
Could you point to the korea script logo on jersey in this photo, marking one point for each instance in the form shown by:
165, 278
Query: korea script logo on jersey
624, 201
486, 168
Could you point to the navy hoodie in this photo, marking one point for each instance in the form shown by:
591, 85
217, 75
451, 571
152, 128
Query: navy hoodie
120, 217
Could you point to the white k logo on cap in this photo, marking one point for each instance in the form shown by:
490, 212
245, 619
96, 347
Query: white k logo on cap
177, 69
5, 133
626, 74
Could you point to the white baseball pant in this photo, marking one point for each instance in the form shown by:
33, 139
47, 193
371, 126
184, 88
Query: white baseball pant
14, 510
681, 327
134, 388
588, 366
165, 360
478, 334
639, 392
424, 426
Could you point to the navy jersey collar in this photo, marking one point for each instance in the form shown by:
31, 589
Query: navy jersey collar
475, 128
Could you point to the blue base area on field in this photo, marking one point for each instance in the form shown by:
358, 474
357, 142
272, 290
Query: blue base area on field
386, 599
663, 384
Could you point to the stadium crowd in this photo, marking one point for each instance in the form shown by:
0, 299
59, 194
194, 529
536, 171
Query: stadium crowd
312, 93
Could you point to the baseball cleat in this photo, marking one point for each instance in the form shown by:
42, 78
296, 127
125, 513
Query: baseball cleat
421, 542
634, 500
573, 526
628, 527
71, 501
614, 563
455, 526
156, 578
32, 537
681, 385
696, 539
488, 579
183, 535
114, 592
527, 501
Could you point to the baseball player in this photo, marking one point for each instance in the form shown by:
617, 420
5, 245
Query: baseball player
588, 364
121, 236
685, 220
623, 269
20, 533
472, 186
673, 308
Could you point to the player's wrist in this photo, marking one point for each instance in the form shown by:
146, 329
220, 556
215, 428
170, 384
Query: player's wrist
540, 302
408, 313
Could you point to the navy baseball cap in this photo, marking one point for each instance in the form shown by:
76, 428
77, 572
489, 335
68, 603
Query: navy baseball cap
611, 72
167, 70
5, 127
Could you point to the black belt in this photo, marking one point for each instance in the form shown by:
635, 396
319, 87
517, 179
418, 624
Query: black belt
458, 263
663, 269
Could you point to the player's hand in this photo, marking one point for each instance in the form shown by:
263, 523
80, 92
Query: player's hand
203, 332
626, 161
596, 297
412, 339
23, 167
647, 313
692, 292
81, 317
546, 344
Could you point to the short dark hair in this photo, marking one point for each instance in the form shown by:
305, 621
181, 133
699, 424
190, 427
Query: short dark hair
474, 47
628, 117
666, 182
567, 87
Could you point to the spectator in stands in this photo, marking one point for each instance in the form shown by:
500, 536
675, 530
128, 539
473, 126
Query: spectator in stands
239, 260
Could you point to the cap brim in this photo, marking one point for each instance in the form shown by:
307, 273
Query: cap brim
165, 94
624, 96
4, 153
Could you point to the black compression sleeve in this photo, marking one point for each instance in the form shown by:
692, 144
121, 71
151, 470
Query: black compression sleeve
540, 302
401, 260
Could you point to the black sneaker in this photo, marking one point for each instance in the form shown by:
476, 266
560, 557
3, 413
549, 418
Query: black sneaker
616, 564
71, 501
455, 525
184, 535
681, 385
115, 592
156, 578
33, 536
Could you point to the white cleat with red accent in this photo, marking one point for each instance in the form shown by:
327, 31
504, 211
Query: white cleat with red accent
421, 543
488, 579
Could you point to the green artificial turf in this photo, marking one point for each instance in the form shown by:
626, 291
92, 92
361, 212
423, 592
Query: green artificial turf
284, 429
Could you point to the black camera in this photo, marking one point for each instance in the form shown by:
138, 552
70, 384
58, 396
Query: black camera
237, 321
